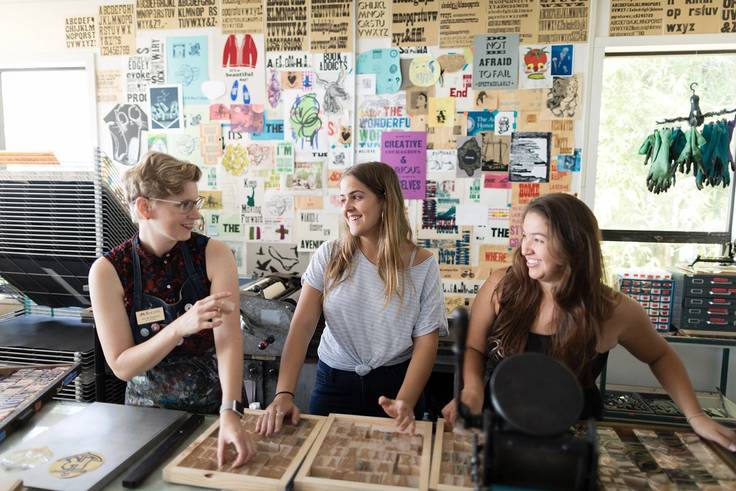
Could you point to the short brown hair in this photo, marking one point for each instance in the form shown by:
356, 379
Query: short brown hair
159, 175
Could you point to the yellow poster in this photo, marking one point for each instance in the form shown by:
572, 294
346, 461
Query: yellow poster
415, 23
636, 17
374, 18
161, 14
80, 32
330, 26
286, 25
241, 16
441, 112
460, 22
117, 29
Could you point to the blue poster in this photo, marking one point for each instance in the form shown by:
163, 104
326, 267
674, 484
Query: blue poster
186, 64
384, 63
562, 60
481, 121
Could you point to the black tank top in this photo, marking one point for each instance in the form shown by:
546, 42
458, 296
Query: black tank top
592, 400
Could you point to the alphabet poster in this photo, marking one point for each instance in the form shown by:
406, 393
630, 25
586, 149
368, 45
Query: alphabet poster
289, 32
242, 16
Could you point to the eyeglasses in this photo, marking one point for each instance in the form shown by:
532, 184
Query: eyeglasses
185, 206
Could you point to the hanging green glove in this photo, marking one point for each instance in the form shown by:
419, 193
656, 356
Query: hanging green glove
647, 147
661, 173
716, 155
690, 157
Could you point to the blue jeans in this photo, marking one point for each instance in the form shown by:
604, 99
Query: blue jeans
340, 391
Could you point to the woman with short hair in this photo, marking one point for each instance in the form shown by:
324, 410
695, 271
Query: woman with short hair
165, 304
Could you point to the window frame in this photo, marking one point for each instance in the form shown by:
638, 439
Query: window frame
83, 61
633, 46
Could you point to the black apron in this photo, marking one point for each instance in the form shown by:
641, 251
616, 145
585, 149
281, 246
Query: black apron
185, 379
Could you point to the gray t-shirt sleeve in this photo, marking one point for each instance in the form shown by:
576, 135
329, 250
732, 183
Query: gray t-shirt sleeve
432, 314
314, 276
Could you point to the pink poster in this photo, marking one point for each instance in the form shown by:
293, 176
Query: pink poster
406, 152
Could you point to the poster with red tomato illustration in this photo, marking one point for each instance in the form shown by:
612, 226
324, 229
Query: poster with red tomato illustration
535, 66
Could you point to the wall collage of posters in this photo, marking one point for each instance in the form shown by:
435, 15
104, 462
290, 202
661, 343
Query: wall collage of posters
475, 104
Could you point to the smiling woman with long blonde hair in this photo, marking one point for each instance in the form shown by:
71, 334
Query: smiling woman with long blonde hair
382, 300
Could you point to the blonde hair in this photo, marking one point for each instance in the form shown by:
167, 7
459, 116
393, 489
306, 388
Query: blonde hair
394, 231
158, 175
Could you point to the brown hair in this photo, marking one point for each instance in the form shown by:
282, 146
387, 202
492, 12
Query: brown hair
159, 175
582, 300
381, 179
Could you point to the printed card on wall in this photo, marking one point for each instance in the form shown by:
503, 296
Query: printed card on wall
315, 227
330, 26
535, 70
166, 105
243, 67
441, 161
210, 135
564, 99
460, 22
384, 64
200, 14
187, 64
284, 158
521, 17
530, 157
469, 156
289, 32
80, 32
495, 151
117, 29
156, 15
109, 85
241, 16
495, 64
570, 163
375, 115
415, 23
441, 112
374, 18
275, 258
562, 60
636, 17
406, 152
126, 138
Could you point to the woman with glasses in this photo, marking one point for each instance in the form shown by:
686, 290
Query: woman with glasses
165, 304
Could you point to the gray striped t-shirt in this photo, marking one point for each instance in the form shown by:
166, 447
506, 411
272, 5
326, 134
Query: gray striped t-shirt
361, 331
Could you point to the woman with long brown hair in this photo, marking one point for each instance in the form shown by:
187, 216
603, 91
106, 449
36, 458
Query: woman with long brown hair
553, 300
383, 305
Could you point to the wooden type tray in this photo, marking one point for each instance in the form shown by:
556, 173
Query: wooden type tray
366, 453
25, 389
274, 465
451, 457
643, 457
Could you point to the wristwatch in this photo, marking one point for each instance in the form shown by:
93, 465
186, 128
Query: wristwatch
236, 406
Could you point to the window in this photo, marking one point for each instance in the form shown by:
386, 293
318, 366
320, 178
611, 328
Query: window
47, 110
638, 90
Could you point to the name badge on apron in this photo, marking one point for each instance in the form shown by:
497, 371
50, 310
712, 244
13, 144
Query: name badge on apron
150, 315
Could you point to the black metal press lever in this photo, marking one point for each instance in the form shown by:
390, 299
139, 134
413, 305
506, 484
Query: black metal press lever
139, 473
